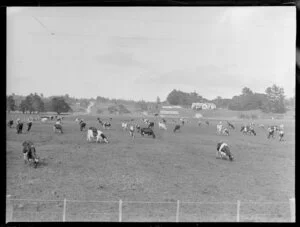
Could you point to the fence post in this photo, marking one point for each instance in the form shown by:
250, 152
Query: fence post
238, 211
292, 209
120, 210
177, 212
9, 210
64, 211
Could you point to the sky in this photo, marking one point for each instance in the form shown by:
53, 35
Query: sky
141, 53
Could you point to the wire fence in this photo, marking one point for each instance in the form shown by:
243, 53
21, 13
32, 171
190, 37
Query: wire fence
35, 210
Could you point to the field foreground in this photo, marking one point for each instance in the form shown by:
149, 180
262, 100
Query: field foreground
174, 166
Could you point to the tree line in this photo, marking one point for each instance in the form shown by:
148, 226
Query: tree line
34, 103
273, 100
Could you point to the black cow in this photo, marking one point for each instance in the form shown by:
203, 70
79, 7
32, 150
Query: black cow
164, 121
29, 153
147, 131
19, 127
177, 128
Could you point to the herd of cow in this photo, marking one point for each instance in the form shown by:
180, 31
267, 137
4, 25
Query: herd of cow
94, 134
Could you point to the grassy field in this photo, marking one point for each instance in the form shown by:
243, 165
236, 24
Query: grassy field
174, 166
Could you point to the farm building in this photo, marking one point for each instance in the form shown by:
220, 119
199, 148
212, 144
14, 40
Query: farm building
203, 106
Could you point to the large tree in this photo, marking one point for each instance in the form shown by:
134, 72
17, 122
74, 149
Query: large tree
59, 105
275, 95
10, 103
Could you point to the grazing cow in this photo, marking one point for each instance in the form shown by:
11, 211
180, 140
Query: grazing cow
223, 151
105, 125
281, 134
177, 128
124, 125
147, 131
29, 124
162, 126
57, 127
94, 133
82, 125
164, 121
19, 127
29, 153
10, 123
151, 125
248, 130
230, 125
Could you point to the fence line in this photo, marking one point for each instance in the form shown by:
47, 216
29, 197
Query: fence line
10, 210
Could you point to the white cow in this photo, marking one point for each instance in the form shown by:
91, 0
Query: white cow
131, 131
124, 125
44, 119
99, 136
162, 126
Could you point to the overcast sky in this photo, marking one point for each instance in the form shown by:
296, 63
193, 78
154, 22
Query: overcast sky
144, 52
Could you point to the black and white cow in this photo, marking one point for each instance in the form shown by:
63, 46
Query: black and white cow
147, 131
105, 125
248, 130
94, 133
29, 153
177, 128
281, 134
223, 151
271, 131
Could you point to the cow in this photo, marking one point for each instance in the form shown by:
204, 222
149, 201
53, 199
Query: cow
19, 127
29, 124
82, 125
146, 121
147, 131
94, 133
248, 130
124, 125
10, 123
57, 127
230, 125
164, 121
177, 128
223, 151
162, 126
182, 121
44, 119
105, 125
225, 131
78, 119
150, 124
138, 127
199, 123
29, 153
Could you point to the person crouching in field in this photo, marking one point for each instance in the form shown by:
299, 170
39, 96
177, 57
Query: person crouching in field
19, 126
131, 131
29, 153
224, 151
29, 124
281, 134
